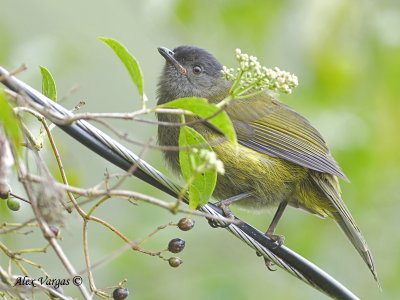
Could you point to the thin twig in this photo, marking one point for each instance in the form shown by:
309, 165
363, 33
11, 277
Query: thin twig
47, 233
127, 195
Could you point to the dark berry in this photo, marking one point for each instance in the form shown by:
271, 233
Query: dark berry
185, 224
176, 245
120, 293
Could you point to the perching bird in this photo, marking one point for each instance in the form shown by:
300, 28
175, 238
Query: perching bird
282, 159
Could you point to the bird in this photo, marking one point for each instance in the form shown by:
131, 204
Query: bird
281, 158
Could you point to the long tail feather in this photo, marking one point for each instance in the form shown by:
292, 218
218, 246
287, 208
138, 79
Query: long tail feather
330, 187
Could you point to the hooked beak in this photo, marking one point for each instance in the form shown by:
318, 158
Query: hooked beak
169, 57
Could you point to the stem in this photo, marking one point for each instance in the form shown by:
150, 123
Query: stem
236, 83
225, 101
249, 95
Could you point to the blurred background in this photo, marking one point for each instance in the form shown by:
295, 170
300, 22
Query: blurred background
347, 57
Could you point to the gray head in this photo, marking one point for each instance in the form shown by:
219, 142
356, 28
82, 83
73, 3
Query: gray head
190, 71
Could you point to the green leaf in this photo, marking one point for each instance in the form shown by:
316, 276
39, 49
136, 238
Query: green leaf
130, 62
9, 121
201, 185
48, 84
204, 109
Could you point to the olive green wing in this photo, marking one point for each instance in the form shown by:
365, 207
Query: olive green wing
268, 126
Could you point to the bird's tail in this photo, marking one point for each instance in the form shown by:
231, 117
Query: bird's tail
330, 187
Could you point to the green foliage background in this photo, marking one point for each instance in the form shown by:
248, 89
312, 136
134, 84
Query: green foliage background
347, 57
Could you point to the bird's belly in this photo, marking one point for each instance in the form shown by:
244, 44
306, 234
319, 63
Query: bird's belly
270, 180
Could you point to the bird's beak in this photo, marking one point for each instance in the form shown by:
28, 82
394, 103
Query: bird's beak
169, 57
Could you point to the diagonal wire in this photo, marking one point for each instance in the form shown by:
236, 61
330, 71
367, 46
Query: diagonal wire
105, 146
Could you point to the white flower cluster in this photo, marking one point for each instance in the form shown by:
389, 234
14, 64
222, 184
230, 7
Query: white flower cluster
210, 161
252, 75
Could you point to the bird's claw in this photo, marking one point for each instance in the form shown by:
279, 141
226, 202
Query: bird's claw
278, 239
269, 264
226, 212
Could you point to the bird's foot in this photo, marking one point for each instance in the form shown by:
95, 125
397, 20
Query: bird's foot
268, 262
278, 239
224, 206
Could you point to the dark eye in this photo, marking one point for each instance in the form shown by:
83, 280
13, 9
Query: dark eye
197, 69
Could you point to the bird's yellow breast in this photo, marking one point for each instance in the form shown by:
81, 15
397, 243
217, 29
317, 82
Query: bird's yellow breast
269, 179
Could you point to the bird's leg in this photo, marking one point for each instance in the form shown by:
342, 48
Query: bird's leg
224, 205
279, 239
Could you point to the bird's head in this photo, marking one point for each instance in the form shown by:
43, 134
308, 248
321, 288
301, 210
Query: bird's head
190, 72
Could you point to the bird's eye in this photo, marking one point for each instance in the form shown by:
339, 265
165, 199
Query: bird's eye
197, 69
